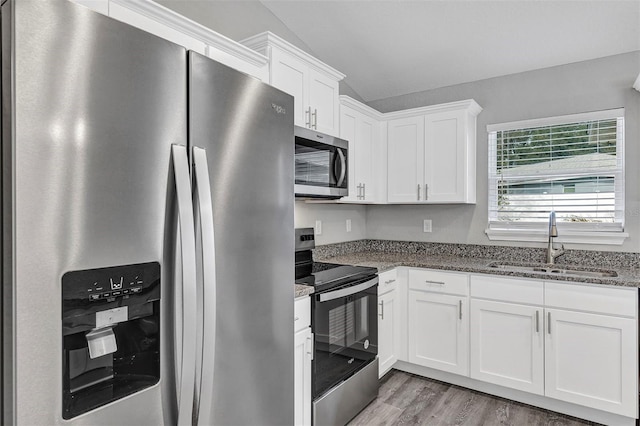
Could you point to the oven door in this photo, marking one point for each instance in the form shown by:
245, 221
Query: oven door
320, 165
346, 332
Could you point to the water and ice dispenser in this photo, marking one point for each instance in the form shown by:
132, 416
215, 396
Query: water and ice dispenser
110, 335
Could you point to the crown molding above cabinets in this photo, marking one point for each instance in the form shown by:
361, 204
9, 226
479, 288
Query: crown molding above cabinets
263, 41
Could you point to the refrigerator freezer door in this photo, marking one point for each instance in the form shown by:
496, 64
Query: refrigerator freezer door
96, 106
246, 128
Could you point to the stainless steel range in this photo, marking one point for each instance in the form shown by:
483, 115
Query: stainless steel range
344, 323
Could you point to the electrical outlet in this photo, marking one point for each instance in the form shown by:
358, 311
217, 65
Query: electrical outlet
348, 225
318, 227
426, 225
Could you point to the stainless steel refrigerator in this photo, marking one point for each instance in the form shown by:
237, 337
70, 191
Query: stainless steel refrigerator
147, 229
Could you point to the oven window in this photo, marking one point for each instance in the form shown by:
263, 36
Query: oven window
348, 324
346, 337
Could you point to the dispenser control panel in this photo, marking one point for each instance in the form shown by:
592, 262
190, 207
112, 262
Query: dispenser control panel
109, 284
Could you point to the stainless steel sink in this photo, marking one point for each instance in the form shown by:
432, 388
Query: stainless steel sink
554, 270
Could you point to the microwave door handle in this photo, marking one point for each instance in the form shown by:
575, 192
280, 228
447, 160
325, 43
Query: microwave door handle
348, 291
207, 280
343, 168
186, 283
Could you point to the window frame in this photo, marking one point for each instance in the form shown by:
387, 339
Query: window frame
579, 233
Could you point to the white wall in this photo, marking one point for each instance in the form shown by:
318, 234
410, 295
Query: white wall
333, 218
599, 84
580, 87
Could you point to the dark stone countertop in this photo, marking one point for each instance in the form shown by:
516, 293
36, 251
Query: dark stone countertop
627, 277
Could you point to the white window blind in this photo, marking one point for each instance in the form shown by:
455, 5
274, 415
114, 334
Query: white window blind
572, 165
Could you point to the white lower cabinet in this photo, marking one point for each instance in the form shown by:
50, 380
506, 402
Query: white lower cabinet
571, 342
507, 345
388, 321
303, 355
591, 360
438, 324
387, 307
567, 347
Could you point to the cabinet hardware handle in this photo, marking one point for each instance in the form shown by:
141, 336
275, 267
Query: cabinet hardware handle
537, 321
364, 191
549, 322
307, 115
310, 350
434, 282
418, 192
390, 281
426, 192
314, 114
460, 309
381, 309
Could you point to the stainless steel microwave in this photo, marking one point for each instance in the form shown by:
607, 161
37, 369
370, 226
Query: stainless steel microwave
320, 165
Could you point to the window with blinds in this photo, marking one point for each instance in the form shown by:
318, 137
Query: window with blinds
572, 165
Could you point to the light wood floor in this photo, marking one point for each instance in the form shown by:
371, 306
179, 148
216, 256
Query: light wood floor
406, 399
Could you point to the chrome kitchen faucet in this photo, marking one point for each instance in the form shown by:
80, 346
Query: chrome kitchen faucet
553, 232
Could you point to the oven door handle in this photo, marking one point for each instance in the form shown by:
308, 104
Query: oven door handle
336, 294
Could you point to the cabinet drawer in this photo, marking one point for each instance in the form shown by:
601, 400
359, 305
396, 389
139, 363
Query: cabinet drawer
516, 290
581, 297
387, 281
438, 281
302, 313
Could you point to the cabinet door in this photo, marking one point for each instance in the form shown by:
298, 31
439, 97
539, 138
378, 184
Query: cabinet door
303, 343
507, 345
439, 331
365, 141
138, 20
290, 75
324, 103
445, 157
387, 332
591, 360
405, 160
348, 124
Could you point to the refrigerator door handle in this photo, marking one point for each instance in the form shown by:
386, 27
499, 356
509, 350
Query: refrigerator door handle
204, 213
187, 284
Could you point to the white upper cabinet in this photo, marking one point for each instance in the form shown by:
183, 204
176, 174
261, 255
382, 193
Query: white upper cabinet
288, 75
313, 84
405, 160
431, 154
324, 104
360, 126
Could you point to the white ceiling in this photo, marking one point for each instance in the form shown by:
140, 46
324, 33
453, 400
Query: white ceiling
394, 47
